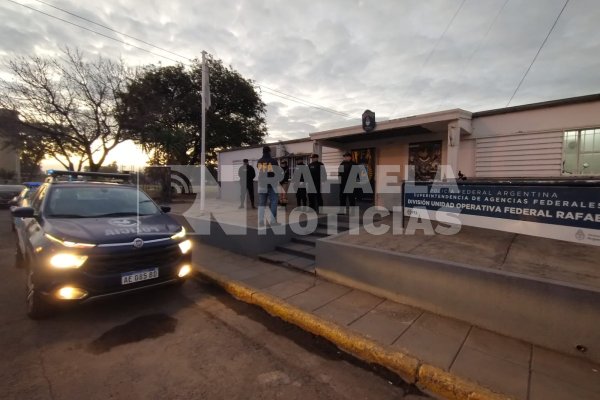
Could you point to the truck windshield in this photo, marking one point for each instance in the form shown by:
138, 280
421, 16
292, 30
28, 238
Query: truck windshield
98, 202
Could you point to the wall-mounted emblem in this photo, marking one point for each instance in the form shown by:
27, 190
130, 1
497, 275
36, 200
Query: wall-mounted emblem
368, 121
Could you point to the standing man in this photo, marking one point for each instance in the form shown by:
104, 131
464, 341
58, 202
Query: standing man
247, 174
302, 171
344, 172
266, 172
285, 183
317, 173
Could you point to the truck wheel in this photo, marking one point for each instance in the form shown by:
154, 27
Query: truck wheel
37, 306
19, 258
180, 282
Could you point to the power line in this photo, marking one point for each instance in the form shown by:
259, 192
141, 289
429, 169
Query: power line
433, 49
284, 96
309, 103
465, 65
443, 34
111, 29
316, 107
485, 36
289, 97
538, 53
91, 30
341, 113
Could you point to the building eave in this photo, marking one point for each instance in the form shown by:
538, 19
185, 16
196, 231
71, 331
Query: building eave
398, 123
258, 146
534, 106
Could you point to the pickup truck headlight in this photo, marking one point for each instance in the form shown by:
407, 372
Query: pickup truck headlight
179, 235
185, 246
67, 243
67, 261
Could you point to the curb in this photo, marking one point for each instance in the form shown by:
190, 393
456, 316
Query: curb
426, 377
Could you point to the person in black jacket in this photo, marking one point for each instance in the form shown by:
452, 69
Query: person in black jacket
344, 171
285, 183
318, 174
247, 174
267, 167
302, 171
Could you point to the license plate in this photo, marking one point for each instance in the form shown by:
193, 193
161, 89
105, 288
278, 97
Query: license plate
139, 276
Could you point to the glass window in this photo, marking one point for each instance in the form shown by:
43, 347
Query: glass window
36, 203
590, 163
581, 152
571, 152
98, 201
596, 141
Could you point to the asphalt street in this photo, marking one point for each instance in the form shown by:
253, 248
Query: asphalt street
192, 342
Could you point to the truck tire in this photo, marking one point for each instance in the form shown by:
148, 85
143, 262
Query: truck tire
37, 306
19, 258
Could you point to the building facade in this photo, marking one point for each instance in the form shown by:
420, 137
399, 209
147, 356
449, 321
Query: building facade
554, 139
9, 158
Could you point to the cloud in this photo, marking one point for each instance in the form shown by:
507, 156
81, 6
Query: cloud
387, 55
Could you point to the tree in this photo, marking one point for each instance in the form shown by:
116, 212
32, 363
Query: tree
31, 155
113, 167
161, 110
68, 104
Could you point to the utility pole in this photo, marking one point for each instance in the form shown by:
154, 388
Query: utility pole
18, 167
203, 147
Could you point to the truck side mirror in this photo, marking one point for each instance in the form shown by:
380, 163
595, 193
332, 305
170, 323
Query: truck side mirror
23, 212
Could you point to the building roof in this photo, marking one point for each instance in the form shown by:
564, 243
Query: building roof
426, 122
544, 104
256, 146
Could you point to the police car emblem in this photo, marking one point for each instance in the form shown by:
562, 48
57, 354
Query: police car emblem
137, 243
123, 222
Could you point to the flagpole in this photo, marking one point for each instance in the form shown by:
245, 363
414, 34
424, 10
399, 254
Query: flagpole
203, 148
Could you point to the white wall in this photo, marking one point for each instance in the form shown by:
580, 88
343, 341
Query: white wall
230, 161
332, 158
560, 118
528, 143
466, 156
520, 155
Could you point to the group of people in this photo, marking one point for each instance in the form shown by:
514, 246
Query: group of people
308, 191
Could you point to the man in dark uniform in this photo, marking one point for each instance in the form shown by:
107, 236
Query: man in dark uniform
302, 171
285, 183
318, 174
344, 172
267, 166
247, 174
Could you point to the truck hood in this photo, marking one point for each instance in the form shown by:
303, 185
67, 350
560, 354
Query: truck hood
113, 229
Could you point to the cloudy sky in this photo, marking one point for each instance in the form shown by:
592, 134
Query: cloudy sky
396, 57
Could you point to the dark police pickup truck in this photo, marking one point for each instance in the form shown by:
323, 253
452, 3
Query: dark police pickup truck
90, 236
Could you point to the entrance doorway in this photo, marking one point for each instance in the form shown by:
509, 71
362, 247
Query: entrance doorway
366, 158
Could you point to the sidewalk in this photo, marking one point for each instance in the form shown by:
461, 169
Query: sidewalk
447, 358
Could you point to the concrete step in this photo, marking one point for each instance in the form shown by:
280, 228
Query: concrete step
325, 230
289, 261
298, 249
344, 219
309, 240
341, 226
320, 232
